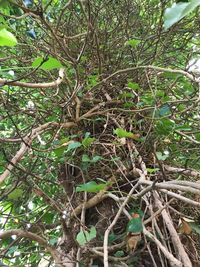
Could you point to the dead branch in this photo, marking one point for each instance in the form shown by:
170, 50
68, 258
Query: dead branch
182, 255
173, 261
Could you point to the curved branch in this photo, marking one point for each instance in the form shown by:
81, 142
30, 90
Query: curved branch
94, 200
174, 186
27, 142
156, 68
41, 241
35, 85
188, 137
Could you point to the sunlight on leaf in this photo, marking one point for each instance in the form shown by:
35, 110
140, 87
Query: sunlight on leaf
87, 141
50, 64
91, 187
133, 42
7, 38
123, 133
154, 170
134, 86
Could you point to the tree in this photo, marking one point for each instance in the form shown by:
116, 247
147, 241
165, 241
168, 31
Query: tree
99, 133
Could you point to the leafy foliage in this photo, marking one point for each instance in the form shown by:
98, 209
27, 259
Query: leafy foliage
85, 236
7, 38
92, 187
123, 133
49, 64
99, 113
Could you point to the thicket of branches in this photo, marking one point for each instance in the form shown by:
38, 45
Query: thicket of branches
99, 135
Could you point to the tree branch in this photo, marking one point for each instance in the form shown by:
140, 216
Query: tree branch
41, 241
35, 85
27, 142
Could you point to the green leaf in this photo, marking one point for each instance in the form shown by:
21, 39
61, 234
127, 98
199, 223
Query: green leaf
92, 81
50, 64
197, 136
133, 42
184, 127
73, 146
4, 4
59, 151
154, 170
129, 104
123, 133
135, 225
119, 253
7, 38
126, 95
48, 217
15, 194
134, 86
1, 169
165, 126
91, 187
85, 236
85, 158
170, 75
162, 156
111, 238
87, 141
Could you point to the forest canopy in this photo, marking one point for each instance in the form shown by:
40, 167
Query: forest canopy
99, 133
